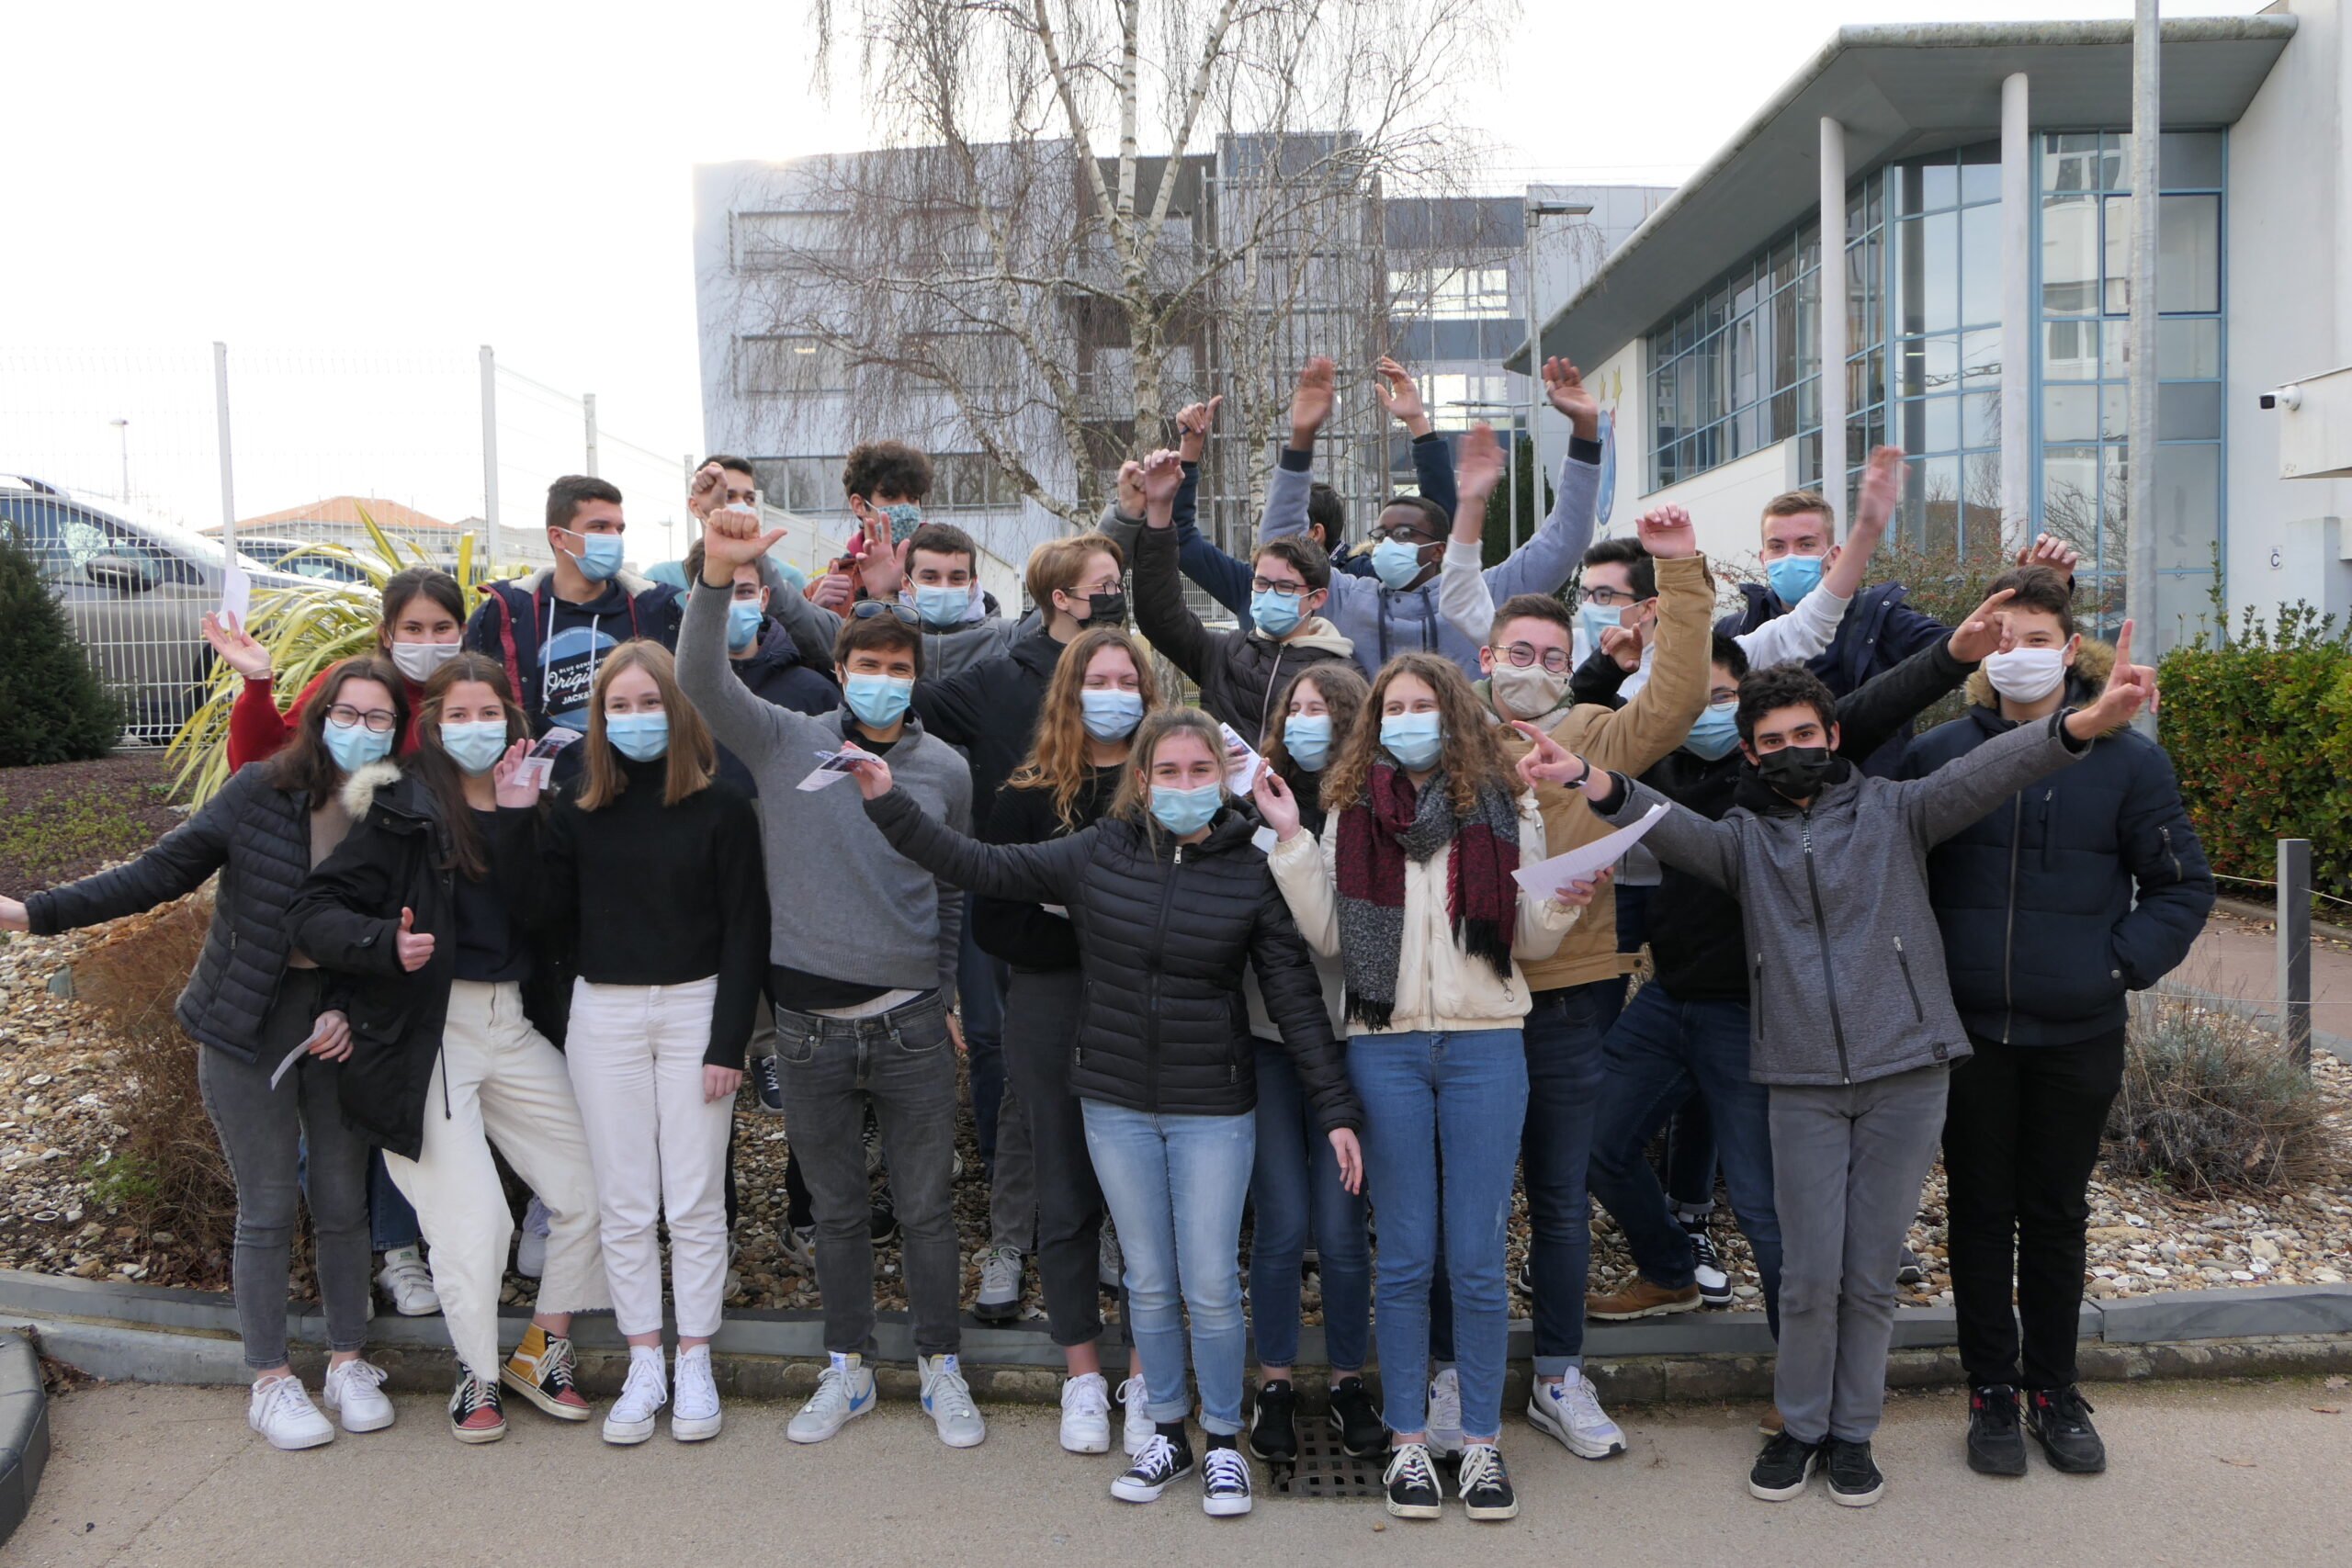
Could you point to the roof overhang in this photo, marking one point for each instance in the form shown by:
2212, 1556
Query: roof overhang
1900, 90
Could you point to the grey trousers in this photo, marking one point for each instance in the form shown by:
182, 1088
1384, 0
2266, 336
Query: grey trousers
1848, 1162
1012, 1195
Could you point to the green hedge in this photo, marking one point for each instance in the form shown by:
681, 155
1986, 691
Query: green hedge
2260, 728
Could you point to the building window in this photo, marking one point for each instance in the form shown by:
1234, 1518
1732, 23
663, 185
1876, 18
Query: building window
960, 481
801, 484
789, 367
1736, 369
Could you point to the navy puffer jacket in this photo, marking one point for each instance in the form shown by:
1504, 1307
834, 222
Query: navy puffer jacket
257, 837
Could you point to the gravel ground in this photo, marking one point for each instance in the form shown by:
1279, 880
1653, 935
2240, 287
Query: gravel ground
59, 1074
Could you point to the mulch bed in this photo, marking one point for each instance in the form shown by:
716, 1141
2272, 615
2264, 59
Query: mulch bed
68, 819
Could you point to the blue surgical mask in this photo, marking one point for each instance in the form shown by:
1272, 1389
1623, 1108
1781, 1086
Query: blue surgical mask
639, 737
879, 700
1396, 564
1794, 577
1182, 811
600, 555
743, 618
940, 606
475, 746
353, 747
1275, 615
1596, 619
1716, 732
1110, 713
1307, 738
1415, 739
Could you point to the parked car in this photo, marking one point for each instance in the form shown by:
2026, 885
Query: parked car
297, 556
135, 593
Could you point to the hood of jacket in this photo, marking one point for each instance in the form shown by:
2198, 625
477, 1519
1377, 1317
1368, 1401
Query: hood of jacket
360, 788
773, 650
2093, 663
1316, 633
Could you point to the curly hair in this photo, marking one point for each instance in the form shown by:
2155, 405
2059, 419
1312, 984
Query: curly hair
1473, 755
1778, 686
1056, 762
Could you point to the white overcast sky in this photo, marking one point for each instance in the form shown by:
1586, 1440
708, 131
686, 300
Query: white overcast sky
349, 186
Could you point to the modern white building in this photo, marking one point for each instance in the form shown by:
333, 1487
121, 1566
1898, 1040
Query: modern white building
1983, 171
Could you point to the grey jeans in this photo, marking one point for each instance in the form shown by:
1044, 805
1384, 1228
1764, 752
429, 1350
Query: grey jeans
1848, 1162
273, 1138
902, 1063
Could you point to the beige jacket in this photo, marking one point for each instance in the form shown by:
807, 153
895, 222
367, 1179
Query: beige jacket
1439, 987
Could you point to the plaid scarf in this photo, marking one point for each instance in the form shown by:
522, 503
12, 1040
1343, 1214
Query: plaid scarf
1391, 825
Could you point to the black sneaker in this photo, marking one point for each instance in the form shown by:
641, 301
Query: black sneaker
1161, 1462
1782, 1469
1484, 1484
1854, 1480
882, 1222
1995, 1446
2061, 1419
1414, 1490
767, 1080
1361, 1432
1908, 1273
1707, 1267
1274, 1423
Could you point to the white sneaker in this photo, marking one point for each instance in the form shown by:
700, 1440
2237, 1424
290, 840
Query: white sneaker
1135, 1434
694, 1399
1570, 1411
408, 1283
531, 1249
1444, 1420
999, 1297
845, 1391
1225, 1484
281, 1412
355, 1391
948, 1400
1086, 1414
630, 1420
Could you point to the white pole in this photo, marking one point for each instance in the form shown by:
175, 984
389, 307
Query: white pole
490, 451
2018, 333
2140, 509
588, 407
228, 486
122, 429
1534, 380
1831, 291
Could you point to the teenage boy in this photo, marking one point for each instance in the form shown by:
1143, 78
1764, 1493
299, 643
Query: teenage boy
862, 973
550, 627
1240, 674
1397, 608
1827, 865
2058, 904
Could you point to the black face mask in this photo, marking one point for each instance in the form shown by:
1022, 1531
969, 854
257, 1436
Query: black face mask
1796, 773
1107, 609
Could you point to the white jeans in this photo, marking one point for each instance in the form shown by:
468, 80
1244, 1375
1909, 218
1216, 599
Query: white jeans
659, 1149
499, 1081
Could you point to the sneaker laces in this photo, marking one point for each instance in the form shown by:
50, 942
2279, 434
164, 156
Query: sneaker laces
1704, 1247
2064, 1408
695, 1390
407, 1270
556, 1364
473, 1394
1584, 1404
645, 1386
1000, 1270
832, 1392
1157, 1459
1482, 1465
1225, 1471
948, 1394
284, 1397
1086, 1395
361, 1370
1411, 1466
1997, 1404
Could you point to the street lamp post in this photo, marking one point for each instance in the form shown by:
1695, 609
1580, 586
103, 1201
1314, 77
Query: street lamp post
1536, 212
122, 429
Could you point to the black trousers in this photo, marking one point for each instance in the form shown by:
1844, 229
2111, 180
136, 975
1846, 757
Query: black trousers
1040, 1032
2021, 1135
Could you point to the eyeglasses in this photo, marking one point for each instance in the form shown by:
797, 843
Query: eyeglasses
1278, 588
866, 609
1609, 598
381, 720
1523, 654
1405, 534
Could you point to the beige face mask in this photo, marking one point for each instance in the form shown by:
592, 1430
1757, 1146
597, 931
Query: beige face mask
1527, 690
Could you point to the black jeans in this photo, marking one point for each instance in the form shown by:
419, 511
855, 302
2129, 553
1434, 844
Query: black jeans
2020, 1136
1040, 1029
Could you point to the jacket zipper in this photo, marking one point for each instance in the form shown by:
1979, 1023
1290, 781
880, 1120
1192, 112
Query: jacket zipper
1151, 988
2170, 853
1918, 1014
2047, 795
2009, 932
1828, 971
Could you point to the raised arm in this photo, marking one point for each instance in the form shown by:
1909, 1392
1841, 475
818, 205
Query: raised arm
1161, 614
1682, 838
1543, 563
1432, 462
1885, 704
1658, 717
1463, 596
1041, 874
1286, 491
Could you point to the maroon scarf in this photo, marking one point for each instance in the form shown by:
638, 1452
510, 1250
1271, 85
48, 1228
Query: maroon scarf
1394, 824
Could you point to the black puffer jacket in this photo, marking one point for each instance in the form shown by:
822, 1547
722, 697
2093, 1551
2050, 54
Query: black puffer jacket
258, 836
396, 858
2085, 886
1024, 934
989, 713
1164, 931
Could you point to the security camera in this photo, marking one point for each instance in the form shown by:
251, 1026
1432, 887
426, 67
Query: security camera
2288, 397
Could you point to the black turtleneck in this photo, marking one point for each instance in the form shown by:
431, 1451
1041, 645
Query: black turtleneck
655, 895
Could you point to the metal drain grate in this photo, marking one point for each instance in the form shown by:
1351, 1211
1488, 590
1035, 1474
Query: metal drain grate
1324, 1468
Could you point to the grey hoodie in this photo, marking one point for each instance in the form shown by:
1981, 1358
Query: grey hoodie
1844, 957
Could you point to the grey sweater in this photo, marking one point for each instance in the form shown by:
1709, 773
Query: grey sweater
841, 902
1845, 958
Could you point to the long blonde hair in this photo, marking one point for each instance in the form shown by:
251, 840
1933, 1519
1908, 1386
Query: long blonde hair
1473, 756
1135, 788
1056, 760
692, 759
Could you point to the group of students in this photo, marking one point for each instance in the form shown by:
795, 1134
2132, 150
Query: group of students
1293, 974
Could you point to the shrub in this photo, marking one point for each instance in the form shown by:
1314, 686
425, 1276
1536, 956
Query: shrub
2212, 1102
2260, 731
54, 707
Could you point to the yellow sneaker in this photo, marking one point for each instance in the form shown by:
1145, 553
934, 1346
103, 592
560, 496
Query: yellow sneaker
542, 1370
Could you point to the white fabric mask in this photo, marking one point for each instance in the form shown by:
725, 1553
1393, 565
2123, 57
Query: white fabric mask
2025, 674
418, 660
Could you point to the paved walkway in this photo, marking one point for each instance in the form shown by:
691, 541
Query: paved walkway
2231, 961
2214, 1474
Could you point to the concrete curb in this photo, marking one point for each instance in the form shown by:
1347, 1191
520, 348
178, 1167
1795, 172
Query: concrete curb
24, 1430
154, 1334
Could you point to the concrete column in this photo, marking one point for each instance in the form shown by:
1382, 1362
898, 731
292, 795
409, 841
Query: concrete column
2020, 334
1833, 318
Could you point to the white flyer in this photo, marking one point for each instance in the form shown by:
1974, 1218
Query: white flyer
1241, 776
292, 1056
1585, 862
831, 768
538, 764
236, 594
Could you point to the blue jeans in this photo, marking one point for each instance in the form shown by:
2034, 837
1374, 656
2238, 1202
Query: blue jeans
1296, 1187
1425, 1094
1660, 1053
1690, 1162
979, 1002
391, 1215
1175, 1186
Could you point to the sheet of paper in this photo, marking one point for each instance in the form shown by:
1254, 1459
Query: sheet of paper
236, 594
1243, 774
1060, 909
539, 767
1586, 861
292, 1056
819, 777
831, 768
1265, 841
